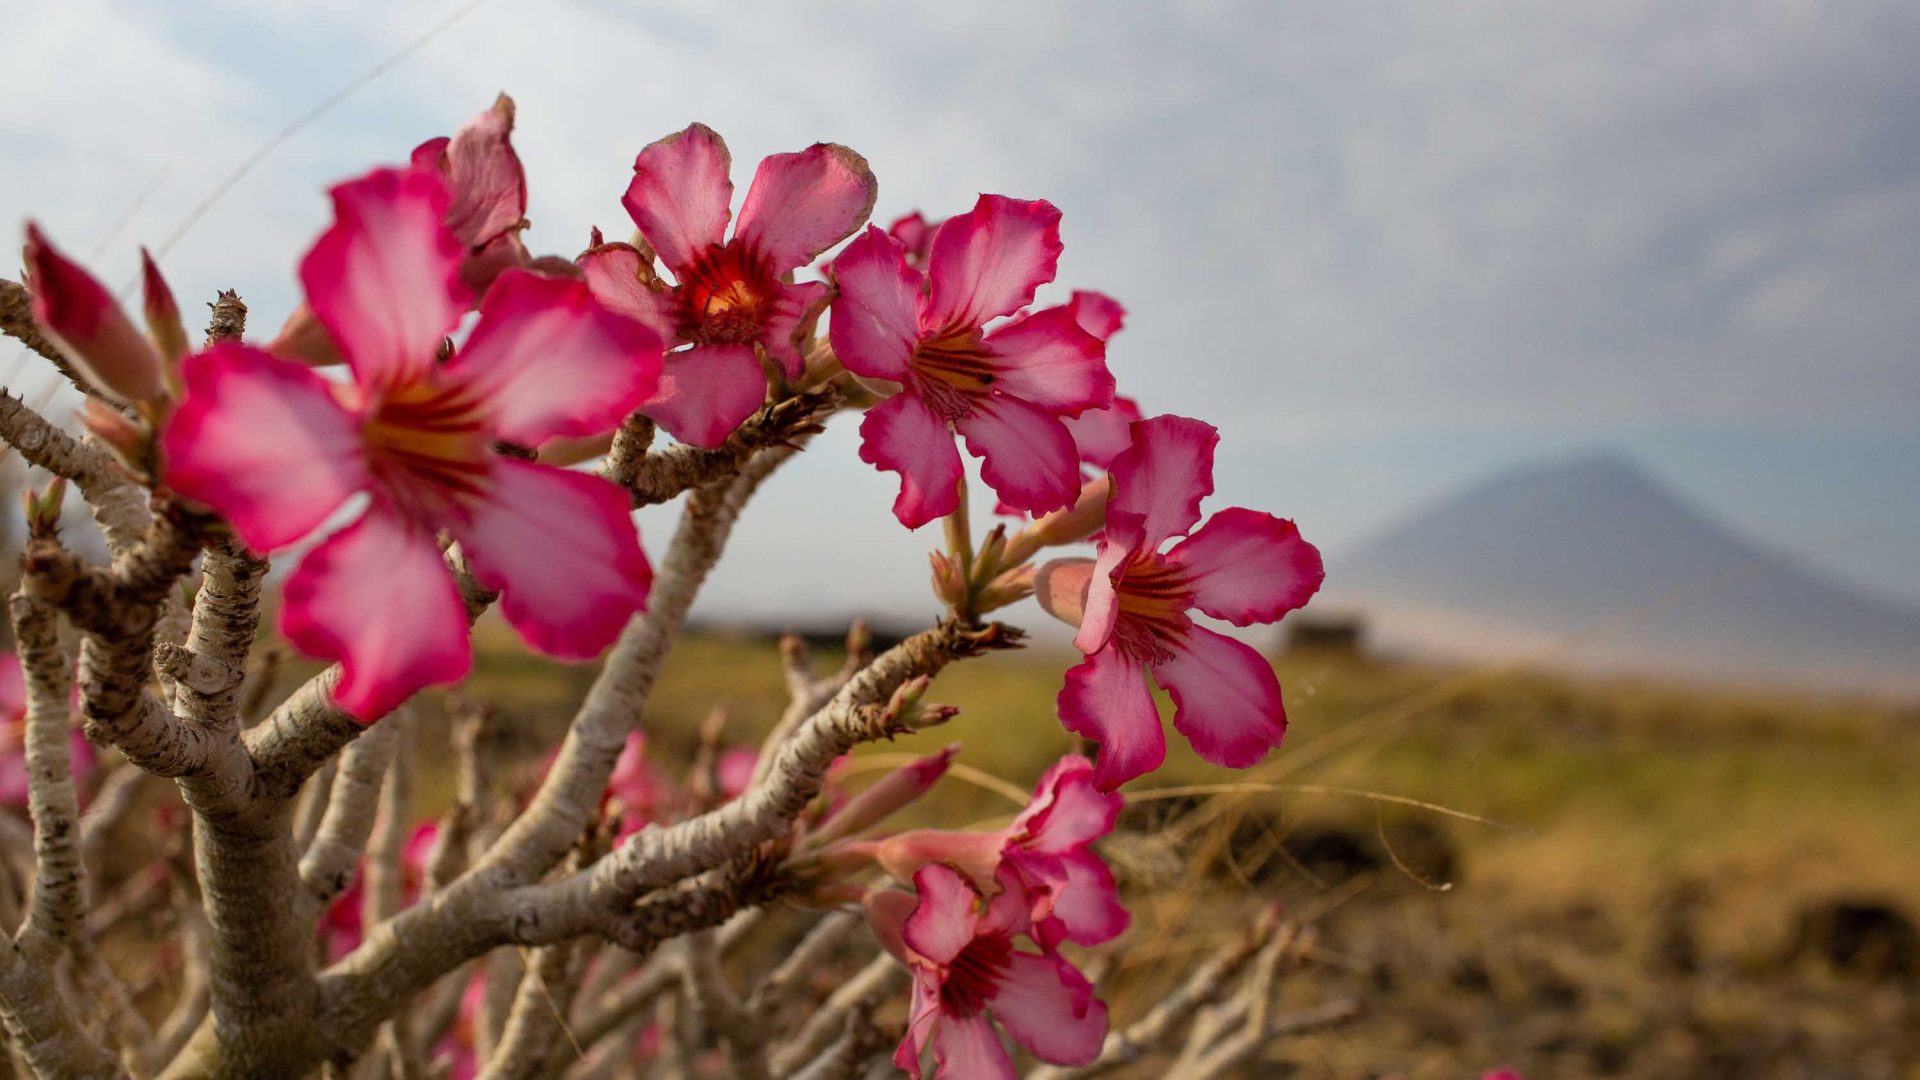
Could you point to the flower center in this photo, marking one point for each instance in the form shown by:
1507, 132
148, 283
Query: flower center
975, 974
953, 367
426, 445
726, 296
1154, 599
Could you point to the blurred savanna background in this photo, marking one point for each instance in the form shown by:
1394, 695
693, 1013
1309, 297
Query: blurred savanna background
1581, 337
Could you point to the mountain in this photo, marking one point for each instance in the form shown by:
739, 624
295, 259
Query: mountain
1594, 563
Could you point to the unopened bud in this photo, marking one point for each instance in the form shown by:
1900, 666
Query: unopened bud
127, 440
949, 584
91, 330
43, 509
1007, 588
886, 796
164, 325
907, 711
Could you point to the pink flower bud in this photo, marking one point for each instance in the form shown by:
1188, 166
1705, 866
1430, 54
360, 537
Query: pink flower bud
1061, 588
889, 794
81, 316
130, 442
164, 325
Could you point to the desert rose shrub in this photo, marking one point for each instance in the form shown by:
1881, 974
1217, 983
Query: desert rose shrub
449, 423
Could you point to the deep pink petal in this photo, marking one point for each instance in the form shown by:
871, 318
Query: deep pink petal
706, 391
1049, 1008
484, 176
571, 602
1106, 699
1047, 359
1248, 567
264, 442
1085, 907
943, 922
613, 272
794, 311
915, 233
1098, 314
967, 1049
1027, 457
680, 194
923, 1016
799, 205
1101, 434
1163, 476
1101, 609
377, 597
1067, 811
901, 435
1226, 698
990, 260
875, 324
385, 279
84, 318
549, 361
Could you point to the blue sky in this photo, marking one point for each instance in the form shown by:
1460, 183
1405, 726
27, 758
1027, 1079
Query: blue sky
1386, 247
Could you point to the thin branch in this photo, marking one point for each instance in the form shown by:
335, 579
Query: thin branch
59, 902
329, 863
17, 322
882, 976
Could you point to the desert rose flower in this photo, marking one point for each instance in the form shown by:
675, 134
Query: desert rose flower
729, 300
276, 449
1131, 606
1048, 849
1005, 391
967, 973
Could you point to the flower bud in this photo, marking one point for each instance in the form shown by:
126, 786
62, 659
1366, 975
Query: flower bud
907, 711
43, 509
164, 325
130, 442
1087, 516
889, 794
83, 319
1061, 588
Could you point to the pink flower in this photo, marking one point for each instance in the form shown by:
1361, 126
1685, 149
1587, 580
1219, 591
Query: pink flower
14, 789
276, 449
1004, 391
729, 302
83, 318
1131, 607
915, 234
1049, 851
960, 949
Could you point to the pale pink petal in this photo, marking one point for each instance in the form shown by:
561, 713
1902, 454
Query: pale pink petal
795, 310
975, 854
1106, 699
875, 324
943, 922
1067, 811
84, 318
923, 1016
1027, 457
484, 175
1061, 588
549, 361
385, 279
706, 391
1102, 604
799, 205
1226, 698
887, 911
990, 260
1163, 476
901, 435
1049, 1008
680, 194
377, 597
1098, 314
504, 252
13, 689
1101, 434
967, 1049
1248, 567
613, 272
570, 603
1085, 907
1009, 913
1047, 359
264, 442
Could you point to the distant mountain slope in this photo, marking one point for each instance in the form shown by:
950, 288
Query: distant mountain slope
1596, 547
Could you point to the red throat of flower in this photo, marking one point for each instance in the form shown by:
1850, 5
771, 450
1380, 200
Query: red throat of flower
427, 446
726, 296
953, 367
1153, 599
975, 974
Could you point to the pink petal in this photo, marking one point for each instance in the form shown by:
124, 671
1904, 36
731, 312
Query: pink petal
1010, 912
796, 308
1067, 811
1163, 476
967, 1049
799, 205
1049, 1008
302, 338
550, 361
1027, 456
915, 233
484, 175
1226, 698
901, 435
923, 1016
613, 272
943, 922
1097, 313
990, 260
706, 391
1061, 588
377, 597
1085, 907
1248, 567
570, 605
1101, 434
385, 279
680, 194
83, 317
875, 325
975, 854
264, 442
13, 689
1047, 359
1102, 605
1106, 699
